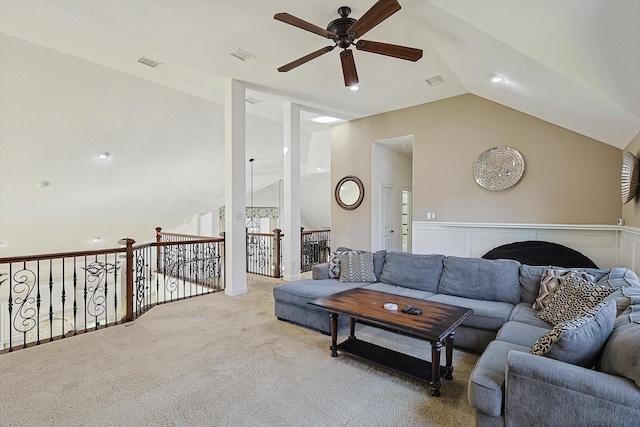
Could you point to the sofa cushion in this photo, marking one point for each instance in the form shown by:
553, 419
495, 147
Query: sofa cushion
520, 333
550, 282
378, 263
486, 382
627, 287
530, 276
302, 291
579, 340
399, 290
412, 271
572, 299
489, 315
493, 280
621, 353
523, 313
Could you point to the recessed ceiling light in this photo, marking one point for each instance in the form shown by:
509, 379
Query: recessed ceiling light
435, 80
242, 55
96, 239
325, 119
42, 184
354, 88
497, 79
103, 155
149, 62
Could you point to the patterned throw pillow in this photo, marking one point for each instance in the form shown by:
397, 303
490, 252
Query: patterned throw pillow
578, 341
572, 299
357, 267
550, 281
334, 263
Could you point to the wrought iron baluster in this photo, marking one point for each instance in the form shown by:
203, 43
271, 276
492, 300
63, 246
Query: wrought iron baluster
85, 294
50, 300
63, 297
75, 296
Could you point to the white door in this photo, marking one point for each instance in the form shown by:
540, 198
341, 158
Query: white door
386, 217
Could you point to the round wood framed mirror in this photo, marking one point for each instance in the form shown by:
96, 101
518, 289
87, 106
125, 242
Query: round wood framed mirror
349, 192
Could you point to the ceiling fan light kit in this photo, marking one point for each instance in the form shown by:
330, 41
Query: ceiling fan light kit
345, 33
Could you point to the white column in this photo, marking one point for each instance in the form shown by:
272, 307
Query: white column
291, 223
234, 194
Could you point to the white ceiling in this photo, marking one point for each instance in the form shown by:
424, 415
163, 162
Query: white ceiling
573, 63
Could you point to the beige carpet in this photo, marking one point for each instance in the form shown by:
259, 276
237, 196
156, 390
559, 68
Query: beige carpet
220, 361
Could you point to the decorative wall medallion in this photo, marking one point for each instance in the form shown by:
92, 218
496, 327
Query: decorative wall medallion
629, 179
498, 168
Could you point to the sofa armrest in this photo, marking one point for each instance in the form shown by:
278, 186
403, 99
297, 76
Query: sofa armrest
320, 271
543, 391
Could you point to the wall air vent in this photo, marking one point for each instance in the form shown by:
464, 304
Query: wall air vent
149, 62
242, 55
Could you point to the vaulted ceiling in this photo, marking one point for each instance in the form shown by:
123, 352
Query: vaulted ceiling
573, 63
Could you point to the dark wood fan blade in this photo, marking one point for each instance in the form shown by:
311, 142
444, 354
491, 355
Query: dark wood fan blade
304, 59
348, 68
402, 52
372, 17
297, 22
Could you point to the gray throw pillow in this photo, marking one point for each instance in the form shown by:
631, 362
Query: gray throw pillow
356, 268
621, 353
572, 299
579, 341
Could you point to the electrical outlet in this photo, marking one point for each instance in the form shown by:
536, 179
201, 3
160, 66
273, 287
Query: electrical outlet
433, 215
428, 215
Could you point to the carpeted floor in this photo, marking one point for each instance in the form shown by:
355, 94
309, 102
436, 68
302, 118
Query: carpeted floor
221, 361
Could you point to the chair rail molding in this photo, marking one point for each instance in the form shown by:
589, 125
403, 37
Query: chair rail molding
607, 245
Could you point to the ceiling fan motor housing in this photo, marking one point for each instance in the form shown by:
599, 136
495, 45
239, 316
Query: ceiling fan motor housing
340, 27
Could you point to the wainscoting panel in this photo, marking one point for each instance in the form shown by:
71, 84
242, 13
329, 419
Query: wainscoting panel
608, 246
630, 249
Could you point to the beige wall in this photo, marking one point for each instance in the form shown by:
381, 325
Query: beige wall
631, 210
569, 178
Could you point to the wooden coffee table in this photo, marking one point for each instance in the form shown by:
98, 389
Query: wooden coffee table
436, 324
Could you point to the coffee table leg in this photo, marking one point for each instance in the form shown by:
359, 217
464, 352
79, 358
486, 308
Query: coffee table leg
334, 335
449, 351
435, 368
352, 329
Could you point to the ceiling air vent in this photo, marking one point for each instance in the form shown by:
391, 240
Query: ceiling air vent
242, 55
149, 62
435, 80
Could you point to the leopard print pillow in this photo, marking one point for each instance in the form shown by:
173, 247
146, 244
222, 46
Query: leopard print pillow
572, 299
550, 282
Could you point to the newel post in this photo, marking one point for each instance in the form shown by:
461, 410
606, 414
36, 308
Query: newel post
277, 239
129, 285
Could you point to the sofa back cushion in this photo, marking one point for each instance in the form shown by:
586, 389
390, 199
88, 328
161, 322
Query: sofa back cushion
621, 353
477, 278
412, 270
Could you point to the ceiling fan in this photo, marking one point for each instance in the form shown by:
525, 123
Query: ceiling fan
345, 33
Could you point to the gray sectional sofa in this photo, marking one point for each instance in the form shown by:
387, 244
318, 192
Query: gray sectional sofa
509, 385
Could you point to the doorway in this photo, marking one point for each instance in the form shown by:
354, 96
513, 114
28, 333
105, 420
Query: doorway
391, 185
